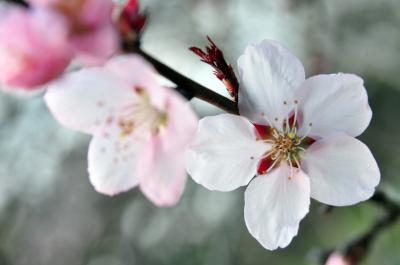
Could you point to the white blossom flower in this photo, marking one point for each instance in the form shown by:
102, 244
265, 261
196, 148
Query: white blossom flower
140, 129
295, 135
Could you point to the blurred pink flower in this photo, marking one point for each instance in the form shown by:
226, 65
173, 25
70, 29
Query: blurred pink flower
296, 135
139, 128
32, 52
37, 44
337, 259
92, 34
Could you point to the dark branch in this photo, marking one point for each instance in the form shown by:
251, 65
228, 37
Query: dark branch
192, 88
356, 250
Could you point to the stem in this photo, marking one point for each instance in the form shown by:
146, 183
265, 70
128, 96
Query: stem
192, 88
356, 250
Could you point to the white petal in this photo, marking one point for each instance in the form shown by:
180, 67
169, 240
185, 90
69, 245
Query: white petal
335, 102
269, 75
275, 205
342, 170
85, 99
225, 153
162, 172
112, 165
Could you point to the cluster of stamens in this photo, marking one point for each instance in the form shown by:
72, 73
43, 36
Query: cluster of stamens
286, 144
142, 117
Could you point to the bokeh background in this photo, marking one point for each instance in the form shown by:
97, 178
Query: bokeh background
50, 214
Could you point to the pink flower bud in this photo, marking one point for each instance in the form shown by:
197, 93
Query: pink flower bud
130, 21
337, 259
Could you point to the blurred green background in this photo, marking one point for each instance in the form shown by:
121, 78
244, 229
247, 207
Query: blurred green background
50, 214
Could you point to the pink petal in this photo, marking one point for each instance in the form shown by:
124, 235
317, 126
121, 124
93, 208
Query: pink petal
31, 52
162, 167
96, 46
275, 205
91, 13
92, 33
112, 163
100, 39
181, 121
96, 14
162, 173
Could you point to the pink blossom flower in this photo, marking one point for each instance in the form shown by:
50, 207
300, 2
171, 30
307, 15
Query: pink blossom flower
31, 52
295, 134
139, 128
92, 34
337, 259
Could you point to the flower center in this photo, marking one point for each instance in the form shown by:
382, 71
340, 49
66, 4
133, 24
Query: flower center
286, 144
141, 117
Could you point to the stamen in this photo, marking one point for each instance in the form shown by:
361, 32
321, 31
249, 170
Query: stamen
266, 118
275, 133
301, 148
291, 167
287, 127
307, 132
141, 117
296, 161
268, 141
266, 155
285, 141
295, 114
